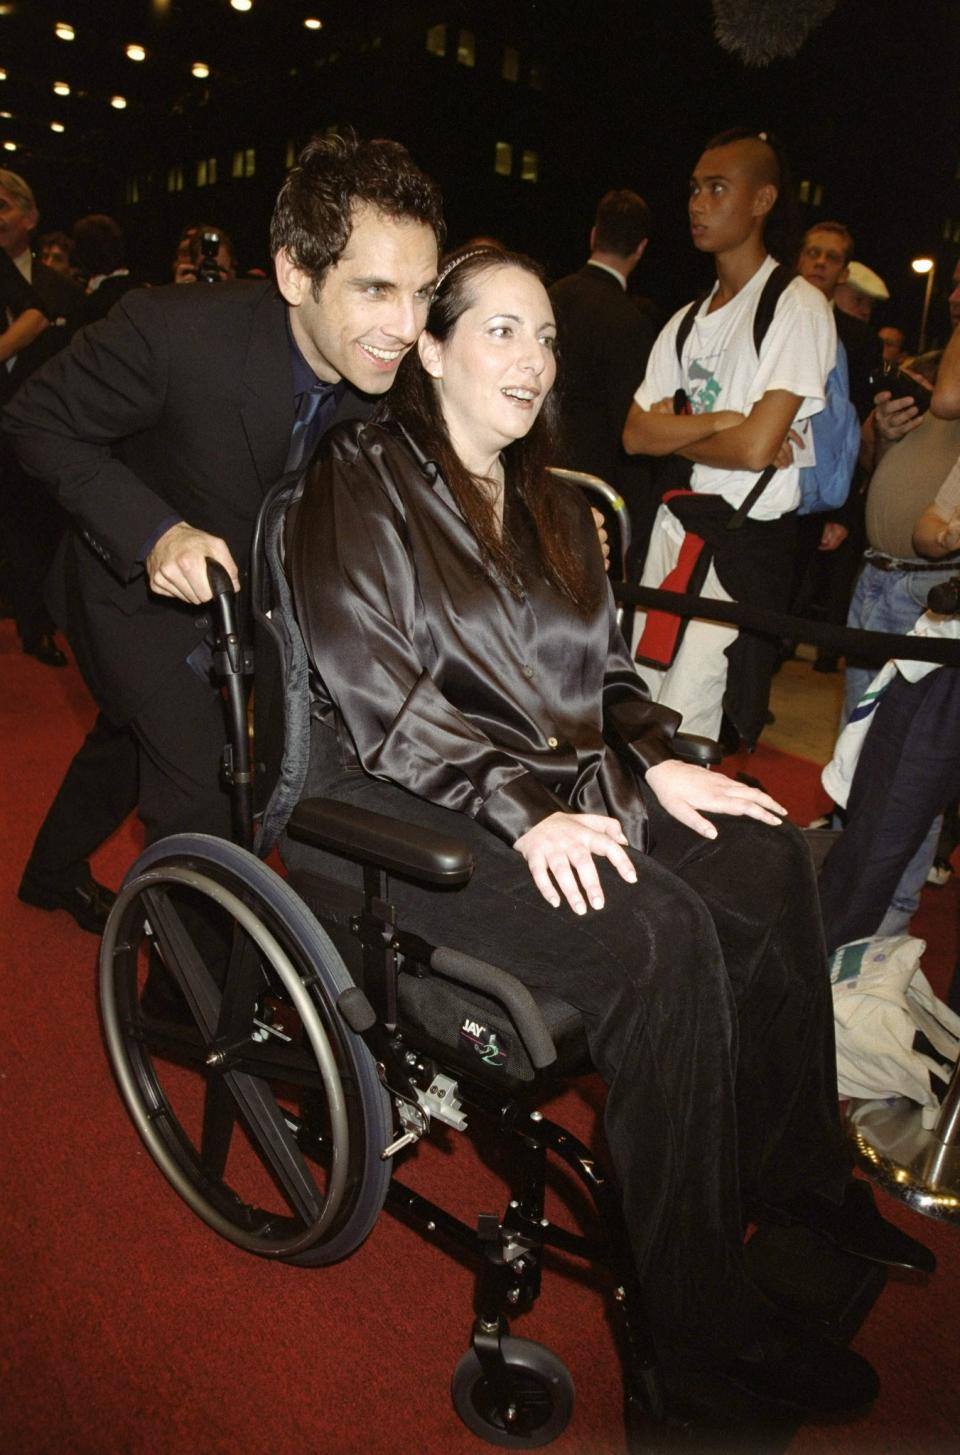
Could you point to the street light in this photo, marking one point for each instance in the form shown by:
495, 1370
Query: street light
928, 266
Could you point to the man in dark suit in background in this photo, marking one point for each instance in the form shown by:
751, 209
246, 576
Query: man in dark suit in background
832, 543
160, 430
30, 521
604, 341
61, 297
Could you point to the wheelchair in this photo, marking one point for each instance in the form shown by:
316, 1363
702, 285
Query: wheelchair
314, 1042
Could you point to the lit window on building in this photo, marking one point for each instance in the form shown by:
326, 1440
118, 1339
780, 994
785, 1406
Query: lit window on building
437, 40
174, 179
290, 155
503, 159
818, 195
467, 48
244, 162
211, 171
133, 190
538, 76
529, 167
510, 68
804, 190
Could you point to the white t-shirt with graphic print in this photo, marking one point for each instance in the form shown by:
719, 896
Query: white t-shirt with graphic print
721, 370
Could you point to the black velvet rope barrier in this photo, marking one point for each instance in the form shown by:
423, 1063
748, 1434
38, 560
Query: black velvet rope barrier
840, 641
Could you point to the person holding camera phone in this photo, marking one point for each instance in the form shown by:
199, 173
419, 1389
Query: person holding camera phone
915, 450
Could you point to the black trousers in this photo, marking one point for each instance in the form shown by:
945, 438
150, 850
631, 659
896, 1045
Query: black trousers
907, 773
704, 994
31, 524
166, 761
98, 791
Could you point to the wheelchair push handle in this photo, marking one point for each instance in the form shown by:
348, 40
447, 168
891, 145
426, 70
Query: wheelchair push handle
218, 578
231, 663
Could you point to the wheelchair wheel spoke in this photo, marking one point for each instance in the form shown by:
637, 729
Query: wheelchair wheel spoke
276, 1143
183, 960
219, 1120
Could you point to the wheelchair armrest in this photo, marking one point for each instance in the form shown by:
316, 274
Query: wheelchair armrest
387, 843
692, 749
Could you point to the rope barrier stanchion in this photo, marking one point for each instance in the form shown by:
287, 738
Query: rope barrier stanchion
841, 641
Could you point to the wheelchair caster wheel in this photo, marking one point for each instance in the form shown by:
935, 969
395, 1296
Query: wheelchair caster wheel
540, 1396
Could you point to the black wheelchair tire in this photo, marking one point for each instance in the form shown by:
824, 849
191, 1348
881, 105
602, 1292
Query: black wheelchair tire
544, 1389
304, 958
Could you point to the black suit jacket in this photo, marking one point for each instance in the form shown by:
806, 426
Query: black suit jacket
62, 301
179, 405
62, 298
864, 355
604, 343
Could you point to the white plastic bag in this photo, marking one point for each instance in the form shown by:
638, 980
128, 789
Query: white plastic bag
888, 1021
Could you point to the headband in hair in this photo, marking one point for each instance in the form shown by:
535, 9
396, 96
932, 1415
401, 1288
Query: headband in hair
476, 253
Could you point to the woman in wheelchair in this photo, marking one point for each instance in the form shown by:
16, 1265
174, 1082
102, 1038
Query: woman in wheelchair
470, 677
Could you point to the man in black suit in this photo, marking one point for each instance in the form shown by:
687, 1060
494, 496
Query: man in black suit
160, 430
30, 521
832, 543
604, 339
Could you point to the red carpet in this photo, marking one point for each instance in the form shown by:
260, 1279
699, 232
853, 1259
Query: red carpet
128, 1327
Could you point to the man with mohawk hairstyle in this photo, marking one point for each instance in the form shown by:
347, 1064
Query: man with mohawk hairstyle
730, 383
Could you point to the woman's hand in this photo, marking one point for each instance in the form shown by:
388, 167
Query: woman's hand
563, 846
683, 789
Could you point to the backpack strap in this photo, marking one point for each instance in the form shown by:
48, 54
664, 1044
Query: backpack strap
686, 324
767, 303
763, 313
762, 318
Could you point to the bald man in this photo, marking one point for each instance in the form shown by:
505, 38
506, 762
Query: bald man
745, 411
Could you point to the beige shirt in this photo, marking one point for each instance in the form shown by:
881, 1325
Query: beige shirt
906, 482
948, 496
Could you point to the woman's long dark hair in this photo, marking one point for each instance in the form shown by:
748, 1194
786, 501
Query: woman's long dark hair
414, 402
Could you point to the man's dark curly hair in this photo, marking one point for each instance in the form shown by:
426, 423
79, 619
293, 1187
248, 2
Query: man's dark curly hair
313, 216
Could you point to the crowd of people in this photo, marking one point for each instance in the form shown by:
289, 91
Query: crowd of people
468, 667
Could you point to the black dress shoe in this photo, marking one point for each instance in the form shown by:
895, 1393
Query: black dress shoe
45, 649
88, 901
803, 1374
857, 1226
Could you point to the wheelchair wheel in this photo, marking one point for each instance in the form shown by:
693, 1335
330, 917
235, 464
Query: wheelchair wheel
541, 1396
257, 1102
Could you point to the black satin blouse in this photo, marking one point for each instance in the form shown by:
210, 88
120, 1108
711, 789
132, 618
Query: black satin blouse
441, 680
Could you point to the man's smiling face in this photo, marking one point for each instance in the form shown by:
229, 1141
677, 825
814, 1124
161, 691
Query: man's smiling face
372, 303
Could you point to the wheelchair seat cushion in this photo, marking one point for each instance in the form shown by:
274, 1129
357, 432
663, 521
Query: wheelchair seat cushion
475, 1033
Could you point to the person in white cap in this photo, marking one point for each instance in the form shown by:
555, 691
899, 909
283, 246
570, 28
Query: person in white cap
860, 291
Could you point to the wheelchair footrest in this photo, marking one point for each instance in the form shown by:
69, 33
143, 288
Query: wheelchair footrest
828, 1290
